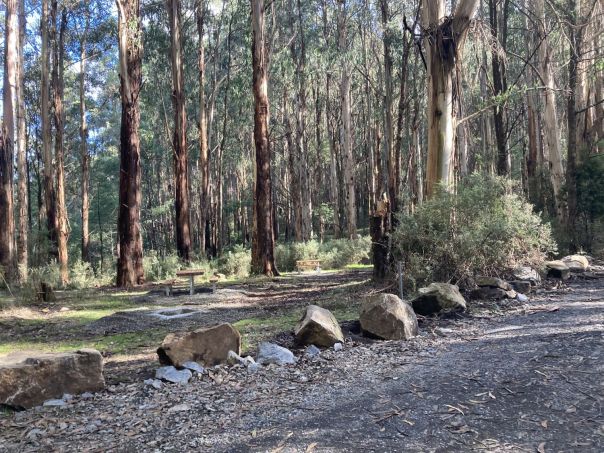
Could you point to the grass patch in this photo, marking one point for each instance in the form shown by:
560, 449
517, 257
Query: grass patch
359, 266
258, 329
115, 344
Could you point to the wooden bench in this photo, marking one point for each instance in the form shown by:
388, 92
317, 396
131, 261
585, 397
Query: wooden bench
308, 265
191, 273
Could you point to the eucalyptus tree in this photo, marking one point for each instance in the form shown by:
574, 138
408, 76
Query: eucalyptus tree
130, 260
7, 142
444, 36
22, 187
179, 141
263, 247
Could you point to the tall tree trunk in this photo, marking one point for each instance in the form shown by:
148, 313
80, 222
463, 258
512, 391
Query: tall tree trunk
444, 38
298, 50
551, 128
346, 128
48, 178
575, 35
85, 157
130, 260
388, 94
499, 85
23, 186
181, 166
7, 143
263, 259
204, 166
59, 122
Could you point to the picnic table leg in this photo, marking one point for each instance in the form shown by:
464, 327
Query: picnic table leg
191, 285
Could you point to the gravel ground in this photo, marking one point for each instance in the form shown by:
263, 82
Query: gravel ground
508, 377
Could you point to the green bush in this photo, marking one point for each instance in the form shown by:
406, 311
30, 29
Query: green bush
484, 229
236, 262
159, 268
333, 254
81, 275
590, 204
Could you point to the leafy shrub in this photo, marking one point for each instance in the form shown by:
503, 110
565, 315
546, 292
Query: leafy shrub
333, 254
81, 275
159, 268
483, 229
236, 262
590, 203
30, 291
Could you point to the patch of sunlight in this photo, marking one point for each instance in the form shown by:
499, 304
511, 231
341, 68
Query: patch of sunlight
114, 344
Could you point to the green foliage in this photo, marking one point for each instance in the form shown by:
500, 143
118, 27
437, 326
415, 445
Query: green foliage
236, 262
590, 203
48, 274
590, 187
483, 229
81, 275
333, 254
159, 268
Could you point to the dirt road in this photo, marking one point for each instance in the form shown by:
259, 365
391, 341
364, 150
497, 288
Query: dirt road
531, 380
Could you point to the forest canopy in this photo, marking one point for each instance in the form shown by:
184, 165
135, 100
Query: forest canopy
139, 133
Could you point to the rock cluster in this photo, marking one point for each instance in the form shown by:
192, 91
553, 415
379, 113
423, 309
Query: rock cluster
493, 288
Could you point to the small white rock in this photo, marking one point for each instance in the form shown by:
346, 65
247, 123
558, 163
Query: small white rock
338, 347
313, 351
521, 298
55, 403
155, 383
171, 374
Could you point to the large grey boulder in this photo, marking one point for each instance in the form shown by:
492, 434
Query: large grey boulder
437, 297
576, 263
386, 316
557, 269
27, 379
208, 346
528, 274
318, 326
273, 353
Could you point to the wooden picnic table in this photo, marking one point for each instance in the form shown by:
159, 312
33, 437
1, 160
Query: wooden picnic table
303, 265
191, 273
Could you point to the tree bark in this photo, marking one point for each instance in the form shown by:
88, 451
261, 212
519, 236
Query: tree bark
181, 166
346, 128
130, 259
551, 129
499, 85
392, 162
7, 144
59, 122
204, 167
84, 156
23, 186
444, 39
263, 260
48, 177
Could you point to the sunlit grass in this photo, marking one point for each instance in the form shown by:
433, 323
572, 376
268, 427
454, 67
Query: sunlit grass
115, 344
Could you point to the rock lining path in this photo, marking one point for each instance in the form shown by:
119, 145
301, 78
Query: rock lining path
531, 380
